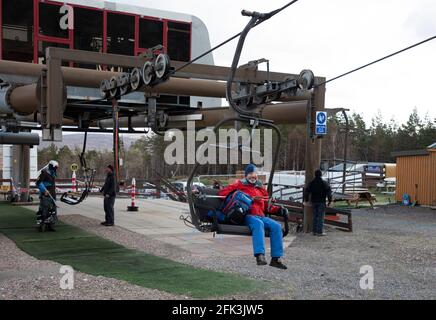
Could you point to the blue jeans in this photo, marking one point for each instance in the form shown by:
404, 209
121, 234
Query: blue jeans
258, 225
318, 217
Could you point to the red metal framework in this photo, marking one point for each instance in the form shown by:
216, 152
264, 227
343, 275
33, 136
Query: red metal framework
1, 29
190, 34
138, 49
69, 41
38, 37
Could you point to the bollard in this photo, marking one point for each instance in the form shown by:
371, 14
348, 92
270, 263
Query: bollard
132, 206
74, 182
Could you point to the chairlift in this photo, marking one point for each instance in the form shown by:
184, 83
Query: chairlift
207, 200
74, 198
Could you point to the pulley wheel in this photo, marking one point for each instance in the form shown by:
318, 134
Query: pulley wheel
123, 82
104, 87
148, 75
306, 79
135, 79
113, 87
162, 65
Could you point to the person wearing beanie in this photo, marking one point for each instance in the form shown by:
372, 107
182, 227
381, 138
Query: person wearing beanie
109, 193
318, 190
256, 220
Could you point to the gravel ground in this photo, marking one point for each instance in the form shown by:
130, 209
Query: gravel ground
23, 277
399, 243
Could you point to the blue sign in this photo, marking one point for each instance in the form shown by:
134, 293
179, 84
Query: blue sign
321, 130
321, 123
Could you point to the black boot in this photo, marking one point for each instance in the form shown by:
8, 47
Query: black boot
260, 259
275, 262
50, 228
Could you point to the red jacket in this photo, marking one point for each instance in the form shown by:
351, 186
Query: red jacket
259, 206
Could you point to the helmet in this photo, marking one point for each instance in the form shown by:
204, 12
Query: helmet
53, 164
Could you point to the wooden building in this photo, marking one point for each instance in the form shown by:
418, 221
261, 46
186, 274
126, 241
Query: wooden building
416, 175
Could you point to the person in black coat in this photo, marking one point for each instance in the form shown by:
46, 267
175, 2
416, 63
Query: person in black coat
318, 190
109, 193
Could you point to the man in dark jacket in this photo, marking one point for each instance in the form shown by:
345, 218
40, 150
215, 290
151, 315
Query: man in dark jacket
109, 193
318, 190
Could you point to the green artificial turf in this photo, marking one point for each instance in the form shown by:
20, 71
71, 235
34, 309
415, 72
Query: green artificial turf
94, 255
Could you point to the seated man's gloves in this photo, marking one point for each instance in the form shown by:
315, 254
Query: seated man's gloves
283, 212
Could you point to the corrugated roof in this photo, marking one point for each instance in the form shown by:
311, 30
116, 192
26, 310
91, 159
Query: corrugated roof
432, 146
410, 153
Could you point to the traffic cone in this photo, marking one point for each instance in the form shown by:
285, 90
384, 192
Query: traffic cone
74, 182
132, 206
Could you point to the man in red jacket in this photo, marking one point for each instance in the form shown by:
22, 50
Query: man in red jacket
256, 220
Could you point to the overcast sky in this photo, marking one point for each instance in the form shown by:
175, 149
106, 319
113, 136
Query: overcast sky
332, 37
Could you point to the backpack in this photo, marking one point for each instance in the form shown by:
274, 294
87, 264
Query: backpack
236, 207
39, 179
406, 200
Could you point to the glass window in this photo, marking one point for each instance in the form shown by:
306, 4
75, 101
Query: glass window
17, 18
88, 32
120, 34
150, 33
49, 21
179, 41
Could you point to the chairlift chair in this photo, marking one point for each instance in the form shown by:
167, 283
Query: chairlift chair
75, 198
207, 199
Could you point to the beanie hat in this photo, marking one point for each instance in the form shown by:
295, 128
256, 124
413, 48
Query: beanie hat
250, 168
111, 167
318, 173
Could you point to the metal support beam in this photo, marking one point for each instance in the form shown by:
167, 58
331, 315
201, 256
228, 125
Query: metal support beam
116, 139
313, 148
25, 178
282, 113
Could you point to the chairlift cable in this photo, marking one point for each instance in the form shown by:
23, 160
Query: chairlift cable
267, 16
376, 61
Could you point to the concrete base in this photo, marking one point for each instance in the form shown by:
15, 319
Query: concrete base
160, 219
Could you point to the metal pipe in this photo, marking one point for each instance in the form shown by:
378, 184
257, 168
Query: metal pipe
24, 99
282, 113
31, 118
22, 138
5, 98
92, 78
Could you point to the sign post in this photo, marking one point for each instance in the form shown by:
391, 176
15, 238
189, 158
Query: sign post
321, 123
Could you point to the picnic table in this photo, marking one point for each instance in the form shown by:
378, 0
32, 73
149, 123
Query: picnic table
355, 196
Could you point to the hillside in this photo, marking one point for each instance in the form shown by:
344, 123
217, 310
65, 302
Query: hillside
99, 142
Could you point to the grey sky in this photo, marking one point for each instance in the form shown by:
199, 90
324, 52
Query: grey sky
331, 37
